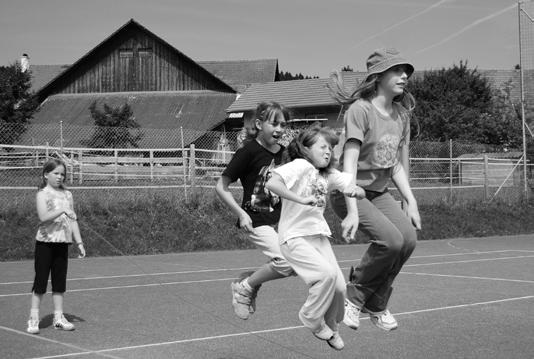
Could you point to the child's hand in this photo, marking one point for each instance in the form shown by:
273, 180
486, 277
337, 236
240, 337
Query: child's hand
81, 249
69, 213
311, 200
245, 222
355, 191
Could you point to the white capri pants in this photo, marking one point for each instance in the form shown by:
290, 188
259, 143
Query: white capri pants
266, 239
313, 259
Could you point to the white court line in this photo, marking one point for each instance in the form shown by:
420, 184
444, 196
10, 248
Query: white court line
226, 279
243, 268
33, 336
184, 341
470, 277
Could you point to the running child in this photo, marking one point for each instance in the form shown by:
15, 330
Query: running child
304, 184
57, 227
377, 131
259, 211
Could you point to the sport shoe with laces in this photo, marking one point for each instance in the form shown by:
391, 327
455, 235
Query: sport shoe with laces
324, 333
62, 323
383, 320
33, 326
352, 315
336, 342
241, 300
243, 276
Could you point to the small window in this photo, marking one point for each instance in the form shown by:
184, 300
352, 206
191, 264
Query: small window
125, 53
145, 52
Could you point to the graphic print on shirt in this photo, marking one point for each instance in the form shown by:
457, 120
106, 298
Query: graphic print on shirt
263, 200
319, 189
386, 151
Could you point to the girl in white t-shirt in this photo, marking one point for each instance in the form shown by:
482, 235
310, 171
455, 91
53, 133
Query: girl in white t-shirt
303, 185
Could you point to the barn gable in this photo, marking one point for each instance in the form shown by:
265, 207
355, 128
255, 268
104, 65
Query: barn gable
133, 59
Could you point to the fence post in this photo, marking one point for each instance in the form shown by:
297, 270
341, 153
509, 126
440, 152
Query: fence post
184, 162
151, 165
71, 172
80, 161
46, 152
192, 169
61, 136
450, 170
486, 185
116, 154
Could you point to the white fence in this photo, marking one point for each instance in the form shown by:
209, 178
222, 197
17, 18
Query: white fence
439, 178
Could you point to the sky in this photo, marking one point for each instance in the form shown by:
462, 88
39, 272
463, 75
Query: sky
312, 37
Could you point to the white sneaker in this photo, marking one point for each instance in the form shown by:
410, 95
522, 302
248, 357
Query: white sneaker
33, 326
383, 320
241, 300
325, 333
336, 342
63, 324
352, 315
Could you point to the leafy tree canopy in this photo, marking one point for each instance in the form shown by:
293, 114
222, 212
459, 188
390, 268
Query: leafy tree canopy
17, 103
115, 127
459, 103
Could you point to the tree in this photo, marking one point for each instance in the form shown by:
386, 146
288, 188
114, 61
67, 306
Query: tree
114, 127
347, 68
17, 103
288, 76
459, 103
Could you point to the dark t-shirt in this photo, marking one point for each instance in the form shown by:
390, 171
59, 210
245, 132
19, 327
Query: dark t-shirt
252, 165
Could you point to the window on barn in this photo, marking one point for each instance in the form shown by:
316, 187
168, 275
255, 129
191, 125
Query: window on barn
145, 51
125, 53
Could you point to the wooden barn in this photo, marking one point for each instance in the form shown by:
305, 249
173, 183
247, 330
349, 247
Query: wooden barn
166, 89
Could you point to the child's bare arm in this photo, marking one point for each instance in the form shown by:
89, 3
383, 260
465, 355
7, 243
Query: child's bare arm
42, 211
223, 192
277, 185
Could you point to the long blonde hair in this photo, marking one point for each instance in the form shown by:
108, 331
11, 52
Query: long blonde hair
366, 90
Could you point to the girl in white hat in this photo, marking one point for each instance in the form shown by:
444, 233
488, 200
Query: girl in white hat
377, 130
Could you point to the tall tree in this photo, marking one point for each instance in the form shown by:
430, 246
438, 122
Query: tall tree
459, 103
17, 103
115, 127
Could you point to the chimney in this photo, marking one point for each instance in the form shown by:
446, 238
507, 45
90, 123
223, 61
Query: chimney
24, 63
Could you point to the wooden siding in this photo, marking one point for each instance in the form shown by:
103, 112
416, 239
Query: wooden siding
158, 68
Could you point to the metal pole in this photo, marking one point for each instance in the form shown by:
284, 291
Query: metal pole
521, 81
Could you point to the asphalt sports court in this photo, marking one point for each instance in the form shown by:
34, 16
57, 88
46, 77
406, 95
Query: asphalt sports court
460, 298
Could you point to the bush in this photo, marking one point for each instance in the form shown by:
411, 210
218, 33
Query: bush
142, 222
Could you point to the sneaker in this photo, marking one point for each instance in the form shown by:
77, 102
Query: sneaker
352, 315
33, 326
62, 323
241, 300
336, 342
383, 320
243, 276
325, 333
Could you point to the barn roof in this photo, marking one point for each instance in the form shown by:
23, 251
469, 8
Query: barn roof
46, 89
160, 115
241, 73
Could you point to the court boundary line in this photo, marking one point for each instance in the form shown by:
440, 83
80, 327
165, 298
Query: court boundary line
222, 336
469, 277
53, 341
248, 268
232, 278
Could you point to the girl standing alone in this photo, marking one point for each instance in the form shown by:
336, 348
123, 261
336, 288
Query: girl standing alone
377, 131
57, 227
304, 184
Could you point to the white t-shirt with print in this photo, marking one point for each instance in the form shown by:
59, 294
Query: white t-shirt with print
302, 178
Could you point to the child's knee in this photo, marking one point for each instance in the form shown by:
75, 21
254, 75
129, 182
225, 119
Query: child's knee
281, 266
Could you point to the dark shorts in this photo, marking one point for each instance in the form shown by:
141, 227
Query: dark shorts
50, 259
